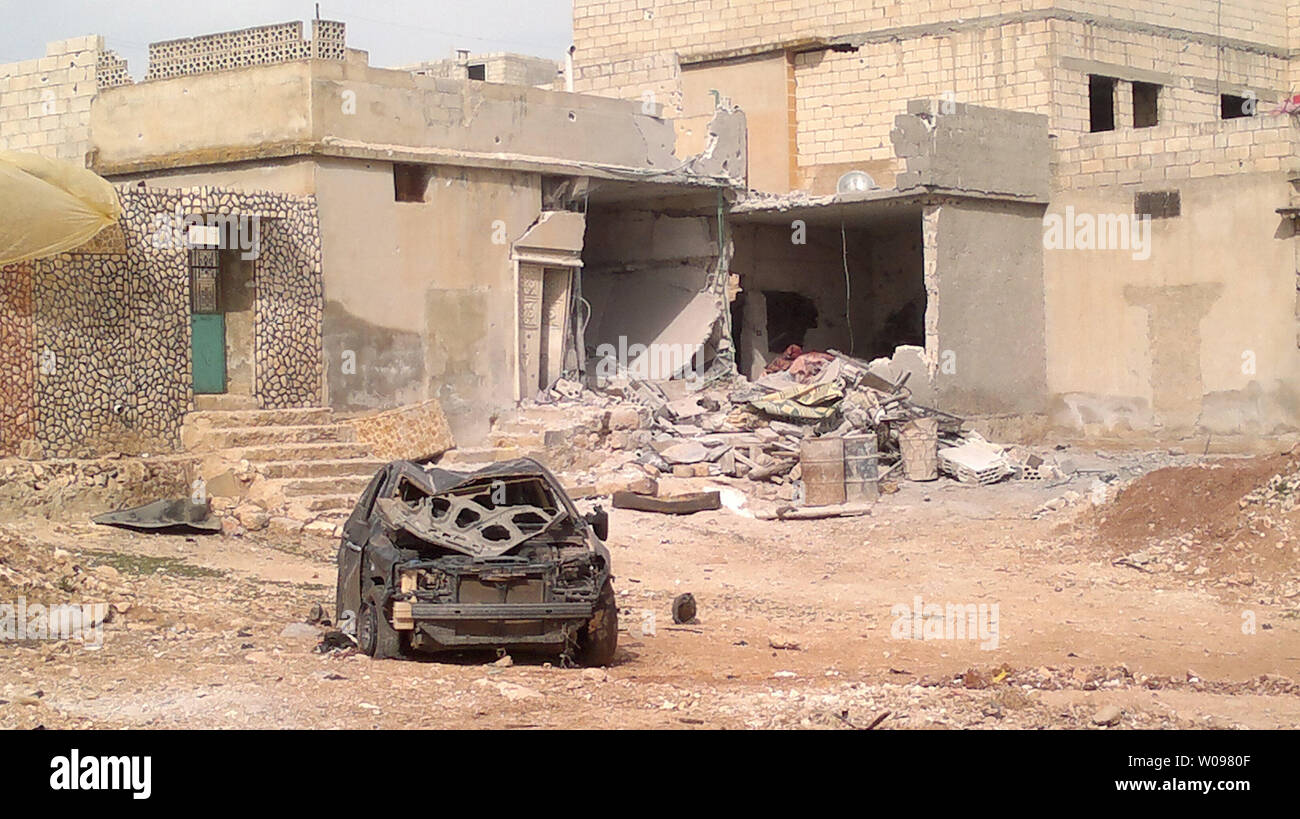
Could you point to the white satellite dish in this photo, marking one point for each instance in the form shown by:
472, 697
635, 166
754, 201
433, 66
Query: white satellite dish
855, 182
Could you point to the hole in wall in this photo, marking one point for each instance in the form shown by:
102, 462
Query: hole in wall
789, 318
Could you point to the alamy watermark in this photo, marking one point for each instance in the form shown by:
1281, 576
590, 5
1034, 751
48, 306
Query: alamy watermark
951, 621
173, 231
653, 362
1098, 231
75, 772
67, 621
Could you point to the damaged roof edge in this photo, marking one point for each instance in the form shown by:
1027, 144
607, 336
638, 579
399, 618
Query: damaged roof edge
306, 112
798, 200
349, 149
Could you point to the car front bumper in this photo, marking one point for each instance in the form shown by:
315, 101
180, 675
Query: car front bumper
436, 626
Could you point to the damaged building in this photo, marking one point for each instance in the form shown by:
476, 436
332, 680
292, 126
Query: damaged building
302, 229
985, 238
1052, 213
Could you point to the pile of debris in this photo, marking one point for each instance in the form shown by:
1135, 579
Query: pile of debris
767, 431
1281, 493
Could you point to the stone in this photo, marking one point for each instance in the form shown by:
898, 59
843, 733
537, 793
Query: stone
320, 527
783, 642
625, 418
686, 452
515, 693
253, 518
108, 574
1107, 715
286, 525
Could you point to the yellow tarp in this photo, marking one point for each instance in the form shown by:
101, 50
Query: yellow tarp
48, 206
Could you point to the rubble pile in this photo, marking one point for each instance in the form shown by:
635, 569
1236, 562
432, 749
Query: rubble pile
1229, 524
51, 488
759, 431
1281, 493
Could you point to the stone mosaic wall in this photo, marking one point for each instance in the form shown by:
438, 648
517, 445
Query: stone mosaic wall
290, 304
96, 343
17, 365
262, 45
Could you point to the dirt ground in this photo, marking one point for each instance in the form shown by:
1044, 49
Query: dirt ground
1102, 620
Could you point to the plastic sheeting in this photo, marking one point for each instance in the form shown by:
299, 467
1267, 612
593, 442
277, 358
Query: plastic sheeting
48, 206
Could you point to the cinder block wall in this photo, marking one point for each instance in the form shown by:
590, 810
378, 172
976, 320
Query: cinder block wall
45, 103
1032, 56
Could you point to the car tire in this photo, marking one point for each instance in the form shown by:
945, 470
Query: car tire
375, 634
598, 639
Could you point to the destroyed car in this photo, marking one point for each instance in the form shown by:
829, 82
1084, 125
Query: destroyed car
436, 560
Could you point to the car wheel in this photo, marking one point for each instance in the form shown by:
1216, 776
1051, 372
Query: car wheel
375, 634
598, 640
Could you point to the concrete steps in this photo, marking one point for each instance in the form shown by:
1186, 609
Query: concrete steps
322, 468
560, 437
219, 438
350, 485
517, 440
257, 418
312, 468
326, 504
224, 402
305, 452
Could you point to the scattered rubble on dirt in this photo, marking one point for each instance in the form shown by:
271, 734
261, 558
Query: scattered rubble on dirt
822, 434
1230, 523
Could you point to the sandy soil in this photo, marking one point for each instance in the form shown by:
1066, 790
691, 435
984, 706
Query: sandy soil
796, 627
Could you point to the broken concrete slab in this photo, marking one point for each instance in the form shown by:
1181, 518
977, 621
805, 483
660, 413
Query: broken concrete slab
684, 504
412, 432
685, 452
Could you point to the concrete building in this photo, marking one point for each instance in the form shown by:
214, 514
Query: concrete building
397, 237
1045, 212
498, 66
1004, 245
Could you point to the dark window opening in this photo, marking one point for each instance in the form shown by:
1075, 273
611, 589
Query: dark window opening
411, 182
477, 71
1158, 204
1146, 104
789, 318
738, 318
1234, 107
1101, 103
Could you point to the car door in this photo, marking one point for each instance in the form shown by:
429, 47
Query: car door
356, 531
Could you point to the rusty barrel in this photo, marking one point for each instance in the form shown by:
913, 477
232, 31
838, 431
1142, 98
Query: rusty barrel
822, 462
861, 472
918, 443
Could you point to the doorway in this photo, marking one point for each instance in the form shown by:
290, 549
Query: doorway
207, 322
221, 320
545, 295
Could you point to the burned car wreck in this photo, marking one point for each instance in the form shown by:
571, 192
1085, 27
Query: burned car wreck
436, 560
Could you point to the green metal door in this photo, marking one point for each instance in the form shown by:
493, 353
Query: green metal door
208, 344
